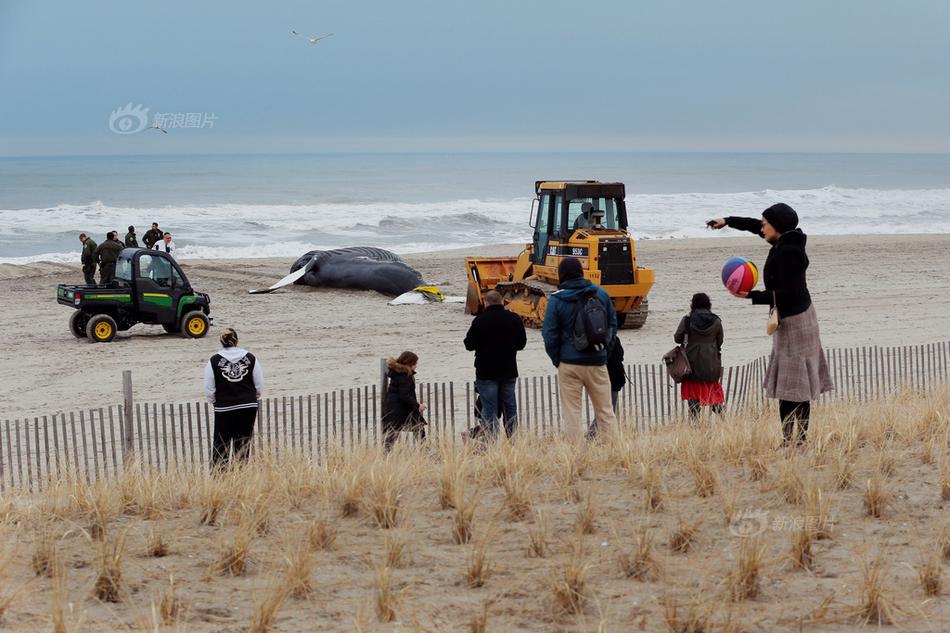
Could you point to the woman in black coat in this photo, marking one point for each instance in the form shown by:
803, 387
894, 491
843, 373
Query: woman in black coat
403, 410
798, 371
701, 331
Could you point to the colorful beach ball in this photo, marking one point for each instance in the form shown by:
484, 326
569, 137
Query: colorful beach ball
739, 275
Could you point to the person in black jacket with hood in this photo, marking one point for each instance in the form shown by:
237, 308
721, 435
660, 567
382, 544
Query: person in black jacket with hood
403, 411
701, 331
798, 370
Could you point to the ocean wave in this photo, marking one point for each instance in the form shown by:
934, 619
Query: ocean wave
222, 231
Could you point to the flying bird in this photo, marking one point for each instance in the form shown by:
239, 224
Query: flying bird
158, 127
313, 39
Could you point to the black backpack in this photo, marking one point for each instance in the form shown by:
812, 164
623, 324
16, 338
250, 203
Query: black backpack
591, 323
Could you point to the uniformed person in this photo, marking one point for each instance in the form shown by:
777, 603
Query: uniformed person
152, 236
107, 254
130, 239
88, 259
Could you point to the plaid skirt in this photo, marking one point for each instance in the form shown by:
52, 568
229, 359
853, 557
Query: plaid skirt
798, 370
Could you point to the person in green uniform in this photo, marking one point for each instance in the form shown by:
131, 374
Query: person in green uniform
130, 239
152, 236
107, 254
88, 259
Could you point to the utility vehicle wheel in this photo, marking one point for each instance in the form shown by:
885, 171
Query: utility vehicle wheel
101, 328
194, 324
636, 319
77, 324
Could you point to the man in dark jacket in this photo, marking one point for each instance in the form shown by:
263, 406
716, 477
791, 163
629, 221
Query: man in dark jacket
152, 236
130, 240
88, 259
107, 254
496, 336
578, 369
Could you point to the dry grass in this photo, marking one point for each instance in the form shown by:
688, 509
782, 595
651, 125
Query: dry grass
653, 495
743, 582
322, 534
479, 567
464, 516
929, 570
639, 562
234, 553
875, 606
265, 612
684, 535
569, 584
943, 542
157, 546
704, 477
694, 617
584, 519
394, 550
43, 560
479, 623
171, 609
108, 585
274, 530
299, 567
876, 497
801, 554
945, 484
538, 536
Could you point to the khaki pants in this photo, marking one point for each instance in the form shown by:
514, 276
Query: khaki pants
573, 378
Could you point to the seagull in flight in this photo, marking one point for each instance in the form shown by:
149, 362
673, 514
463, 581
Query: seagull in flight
159, 128
312, 39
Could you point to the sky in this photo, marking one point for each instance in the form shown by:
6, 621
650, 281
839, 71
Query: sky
486, 75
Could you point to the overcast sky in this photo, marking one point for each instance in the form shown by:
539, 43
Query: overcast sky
830, 75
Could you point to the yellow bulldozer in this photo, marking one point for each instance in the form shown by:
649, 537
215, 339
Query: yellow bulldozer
585, 219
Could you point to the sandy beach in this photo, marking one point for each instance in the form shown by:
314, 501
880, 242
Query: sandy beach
868, 290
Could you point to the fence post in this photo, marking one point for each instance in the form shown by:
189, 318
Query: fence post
383, 386
127, 406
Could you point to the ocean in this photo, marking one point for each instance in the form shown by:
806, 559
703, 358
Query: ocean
222, 207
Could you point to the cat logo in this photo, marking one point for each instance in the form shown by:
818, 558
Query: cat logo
236, 371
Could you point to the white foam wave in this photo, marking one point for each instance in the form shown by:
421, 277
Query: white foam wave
225, 231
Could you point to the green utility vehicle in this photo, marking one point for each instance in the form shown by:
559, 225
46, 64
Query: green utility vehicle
149, 287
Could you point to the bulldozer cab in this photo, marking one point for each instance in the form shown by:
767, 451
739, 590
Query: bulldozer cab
561, 208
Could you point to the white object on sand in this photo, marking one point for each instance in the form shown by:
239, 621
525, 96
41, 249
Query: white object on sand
286, 281
414, 297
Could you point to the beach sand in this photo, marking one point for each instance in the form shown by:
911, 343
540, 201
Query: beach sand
890, 290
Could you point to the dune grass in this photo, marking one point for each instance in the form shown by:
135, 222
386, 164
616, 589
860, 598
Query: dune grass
687, 528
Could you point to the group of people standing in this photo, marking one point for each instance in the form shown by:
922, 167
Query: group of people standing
105, 255
797, 370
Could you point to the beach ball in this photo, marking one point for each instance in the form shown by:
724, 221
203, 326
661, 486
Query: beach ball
739, 275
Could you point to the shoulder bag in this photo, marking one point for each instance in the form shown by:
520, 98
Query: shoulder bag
676, 361
773, 322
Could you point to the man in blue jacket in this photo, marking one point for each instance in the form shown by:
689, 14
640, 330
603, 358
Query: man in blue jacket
577, 369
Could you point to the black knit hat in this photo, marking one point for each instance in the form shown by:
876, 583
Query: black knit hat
782, 217
569, 268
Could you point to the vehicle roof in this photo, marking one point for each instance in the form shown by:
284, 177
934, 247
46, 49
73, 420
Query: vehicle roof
582, 188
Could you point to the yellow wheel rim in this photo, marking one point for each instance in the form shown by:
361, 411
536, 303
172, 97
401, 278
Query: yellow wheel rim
196, 326
103, 330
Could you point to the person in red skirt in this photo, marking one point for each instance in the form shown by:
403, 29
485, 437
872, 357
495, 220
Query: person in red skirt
701, 331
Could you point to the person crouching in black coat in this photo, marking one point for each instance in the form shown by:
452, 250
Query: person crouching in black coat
403, 411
